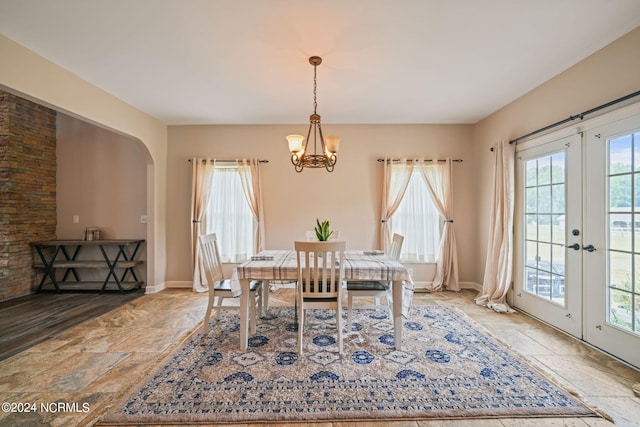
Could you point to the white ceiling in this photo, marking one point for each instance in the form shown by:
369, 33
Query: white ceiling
384, 61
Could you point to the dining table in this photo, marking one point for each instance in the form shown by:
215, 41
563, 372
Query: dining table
359, 265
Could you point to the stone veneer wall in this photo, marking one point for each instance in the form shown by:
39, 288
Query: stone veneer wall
28, 189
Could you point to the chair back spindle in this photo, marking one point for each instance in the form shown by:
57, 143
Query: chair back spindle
320, 277
396, 246
320, 268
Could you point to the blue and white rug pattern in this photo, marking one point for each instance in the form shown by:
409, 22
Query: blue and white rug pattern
448, 368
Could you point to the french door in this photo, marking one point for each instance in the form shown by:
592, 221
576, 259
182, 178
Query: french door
612, 228
548, 274
577, 218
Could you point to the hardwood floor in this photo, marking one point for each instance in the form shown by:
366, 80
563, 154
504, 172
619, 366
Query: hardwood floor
96, 362
31, 319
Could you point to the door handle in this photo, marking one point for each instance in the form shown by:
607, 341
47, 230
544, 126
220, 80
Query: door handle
589, 248
575, 246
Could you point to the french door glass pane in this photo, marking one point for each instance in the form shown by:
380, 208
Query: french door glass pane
620, 313
623, 250
545, 207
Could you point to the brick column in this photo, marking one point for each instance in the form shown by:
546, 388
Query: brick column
28, 189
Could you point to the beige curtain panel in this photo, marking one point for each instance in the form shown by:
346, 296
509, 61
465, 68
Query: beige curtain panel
438, 178
394, 185
201, 179
249, 171
498, 268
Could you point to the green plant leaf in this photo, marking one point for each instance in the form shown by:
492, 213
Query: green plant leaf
323, 230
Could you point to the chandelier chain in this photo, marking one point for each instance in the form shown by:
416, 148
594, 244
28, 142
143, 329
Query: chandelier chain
315, 90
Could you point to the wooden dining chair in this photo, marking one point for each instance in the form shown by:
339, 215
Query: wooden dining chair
320, 277
220, 288
373, 289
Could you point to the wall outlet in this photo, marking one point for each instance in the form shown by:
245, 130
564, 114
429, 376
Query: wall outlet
143, 219
76, 219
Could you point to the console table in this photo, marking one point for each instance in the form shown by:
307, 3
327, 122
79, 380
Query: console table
64, 254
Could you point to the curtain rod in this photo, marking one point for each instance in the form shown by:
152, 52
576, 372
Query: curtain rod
230, 161
577, 116
426, 160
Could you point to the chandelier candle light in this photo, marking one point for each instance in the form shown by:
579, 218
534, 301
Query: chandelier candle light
298, 145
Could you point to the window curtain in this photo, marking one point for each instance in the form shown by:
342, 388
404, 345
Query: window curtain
418, 219
201, 178
249, 171
499, 262
394, 185
439, 180
229, 214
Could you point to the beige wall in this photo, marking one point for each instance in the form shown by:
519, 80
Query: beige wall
28, 75
608, 74
349, 197
101, 178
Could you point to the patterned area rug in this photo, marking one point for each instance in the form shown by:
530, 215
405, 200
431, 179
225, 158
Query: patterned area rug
448, 368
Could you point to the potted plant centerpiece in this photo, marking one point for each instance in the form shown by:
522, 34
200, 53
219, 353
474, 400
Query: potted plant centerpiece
323, 232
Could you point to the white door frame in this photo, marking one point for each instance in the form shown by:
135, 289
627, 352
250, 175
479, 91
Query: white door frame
567, 315
595, 330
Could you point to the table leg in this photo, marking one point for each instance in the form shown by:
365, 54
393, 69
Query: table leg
244, 314
48, 268
397, 313
73, 258
130, 270
112, 268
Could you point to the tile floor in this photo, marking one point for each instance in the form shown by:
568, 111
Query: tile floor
92, 364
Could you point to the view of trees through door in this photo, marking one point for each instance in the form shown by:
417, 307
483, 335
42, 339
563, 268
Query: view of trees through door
578, 232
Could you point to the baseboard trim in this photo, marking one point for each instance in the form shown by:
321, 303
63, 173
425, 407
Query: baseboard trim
188, 284
154, 289
424, 286
471, 285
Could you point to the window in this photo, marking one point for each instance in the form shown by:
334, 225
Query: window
229, 215
418, 220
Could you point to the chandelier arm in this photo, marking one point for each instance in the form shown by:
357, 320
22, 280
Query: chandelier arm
324, 146
306, 143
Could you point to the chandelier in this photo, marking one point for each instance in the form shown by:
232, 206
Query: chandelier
300, 156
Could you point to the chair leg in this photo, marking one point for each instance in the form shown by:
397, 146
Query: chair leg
349, 313
339, 326
258, 300
219, 307
300, 325
207, 315
265, 298
252, 313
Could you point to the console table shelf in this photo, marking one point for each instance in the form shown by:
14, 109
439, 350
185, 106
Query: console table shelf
63, 255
